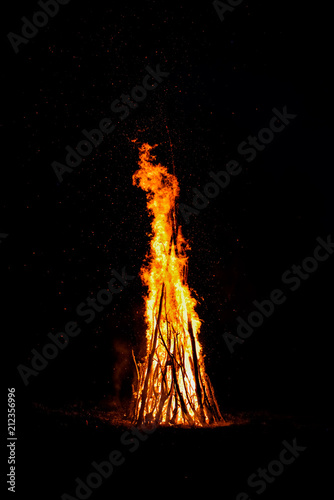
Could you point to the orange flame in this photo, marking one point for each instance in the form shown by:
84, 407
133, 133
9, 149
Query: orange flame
172, 386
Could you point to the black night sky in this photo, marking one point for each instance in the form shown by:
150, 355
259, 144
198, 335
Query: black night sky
60, 241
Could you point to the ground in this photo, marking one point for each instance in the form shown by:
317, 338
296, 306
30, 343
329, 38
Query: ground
182, 461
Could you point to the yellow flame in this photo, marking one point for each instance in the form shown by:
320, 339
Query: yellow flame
173, 386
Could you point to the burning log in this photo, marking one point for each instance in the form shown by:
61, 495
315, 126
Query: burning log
150, 359
172, 385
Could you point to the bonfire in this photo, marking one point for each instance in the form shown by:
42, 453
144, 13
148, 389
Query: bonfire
171, 387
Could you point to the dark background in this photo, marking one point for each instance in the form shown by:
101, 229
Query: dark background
64, 239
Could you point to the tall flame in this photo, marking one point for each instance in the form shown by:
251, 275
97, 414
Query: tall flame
172, 386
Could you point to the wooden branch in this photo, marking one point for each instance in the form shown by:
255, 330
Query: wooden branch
150, 359
198, 387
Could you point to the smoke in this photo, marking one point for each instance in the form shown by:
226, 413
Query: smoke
123, 370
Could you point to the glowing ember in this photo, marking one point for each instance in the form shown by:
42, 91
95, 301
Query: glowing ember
172, 386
